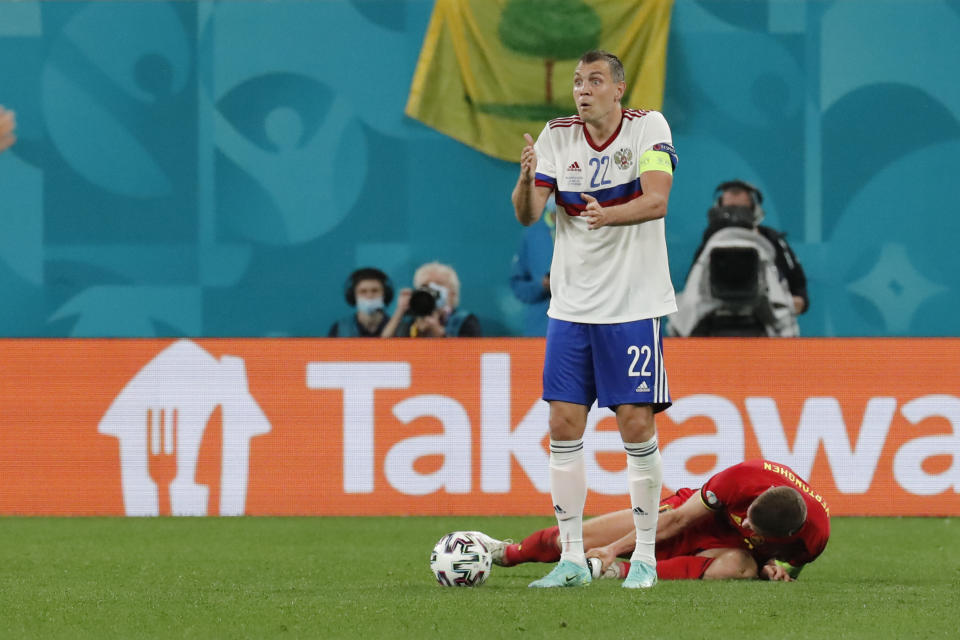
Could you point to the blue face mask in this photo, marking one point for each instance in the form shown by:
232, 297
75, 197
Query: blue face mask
369, 306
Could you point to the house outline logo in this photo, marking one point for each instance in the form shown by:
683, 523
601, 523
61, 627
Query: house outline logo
165, 409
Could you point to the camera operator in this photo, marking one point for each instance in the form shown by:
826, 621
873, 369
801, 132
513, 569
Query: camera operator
780, 285
739, 203
430, 309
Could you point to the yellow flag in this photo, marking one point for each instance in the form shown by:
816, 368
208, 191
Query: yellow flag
491, 70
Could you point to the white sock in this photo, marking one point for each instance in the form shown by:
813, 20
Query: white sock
568, 488
644, 479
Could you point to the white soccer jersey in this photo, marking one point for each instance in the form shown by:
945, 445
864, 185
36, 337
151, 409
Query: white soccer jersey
611, 274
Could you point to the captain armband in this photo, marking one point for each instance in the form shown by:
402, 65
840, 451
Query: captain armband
656, 161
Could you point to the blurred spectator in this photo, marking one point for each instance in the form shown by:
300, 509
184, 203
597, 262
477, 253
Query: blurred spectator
530, 274
745, 280
370, 291
431, 308
8, 122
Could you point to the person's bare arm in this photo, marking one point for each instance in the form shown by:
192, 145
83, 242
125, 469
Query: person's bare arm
669, 524
528, 199
403, 303
673, 521
608, 554
652, 205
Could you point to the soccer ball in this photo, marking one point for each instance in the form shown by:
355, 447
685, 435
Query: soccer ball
460, 559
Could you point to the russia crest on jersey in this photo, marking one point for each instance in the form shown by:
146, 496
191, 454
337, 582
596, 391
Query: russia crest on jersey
623, 158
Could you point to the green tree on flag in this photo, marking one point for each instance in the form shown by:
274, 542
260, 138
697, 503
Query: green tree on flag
481, 67
550, 29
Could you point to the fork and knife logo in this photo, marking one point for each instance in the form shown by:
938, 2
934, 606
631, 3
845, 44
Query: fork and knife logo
163, 420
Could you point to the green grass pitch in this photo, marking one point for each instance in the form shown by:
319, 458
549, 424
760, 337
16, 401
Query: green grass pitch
369, 578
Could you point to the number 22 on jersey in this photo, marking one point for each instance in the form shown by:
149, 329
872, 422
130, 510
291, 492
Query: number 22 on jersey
600, 166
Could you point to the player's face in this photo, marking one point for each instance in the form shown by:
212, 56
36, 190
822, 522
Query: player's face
594, 91
369, 289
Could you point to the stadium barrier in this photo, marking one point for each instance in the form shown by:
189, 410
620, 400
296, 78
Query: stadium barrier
453, 427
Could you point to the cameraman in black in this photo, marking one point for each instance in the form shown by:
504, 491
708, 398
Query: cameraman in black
737, 212
739, 203
430, 309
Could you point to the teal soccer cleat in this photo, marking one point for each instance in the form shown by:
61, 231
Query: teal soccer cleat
565, 574
641, 576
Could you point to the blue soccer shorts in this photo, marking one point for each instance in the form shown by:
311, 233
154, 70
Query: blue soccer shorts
613, 364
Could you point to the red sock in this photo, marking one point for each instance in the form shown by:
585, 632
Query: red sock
683, 568
540, 546
623, 567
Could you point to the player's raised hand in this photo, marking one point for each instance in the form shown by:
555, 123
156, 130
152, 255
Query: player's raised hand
403, 300
594, 213
8, 123
528, 159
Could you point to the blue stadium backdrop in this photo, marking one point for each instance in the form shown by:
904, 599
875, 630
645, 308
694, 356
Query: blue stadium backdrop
218, 168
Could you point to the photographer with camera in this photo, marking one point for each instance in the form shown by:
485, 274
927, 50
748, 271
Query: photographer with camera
430, 309
745, 280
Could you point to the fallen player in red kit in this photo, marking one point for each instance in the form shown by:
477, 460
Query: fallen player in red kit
756, 519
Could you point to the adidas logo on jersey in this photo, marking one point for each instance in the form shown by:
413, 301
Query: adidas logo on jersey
574, 167
643, 388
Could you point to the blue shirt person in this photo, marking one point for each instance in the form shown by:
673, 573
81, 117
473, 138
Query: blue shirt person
530, 273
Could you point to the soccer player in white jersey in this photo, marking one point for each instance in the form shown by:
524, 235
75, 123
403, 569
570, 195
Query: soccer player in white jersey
611, 169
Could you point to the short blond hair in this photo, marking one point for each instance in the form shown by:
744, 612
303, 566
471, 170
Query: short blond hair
442, 274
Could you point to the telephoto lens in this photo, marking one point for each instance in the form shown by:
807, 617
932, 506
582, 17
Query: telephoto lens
423, 301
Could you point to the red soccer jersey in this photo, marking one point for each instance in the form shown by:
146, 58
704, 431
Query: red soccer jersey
729, 493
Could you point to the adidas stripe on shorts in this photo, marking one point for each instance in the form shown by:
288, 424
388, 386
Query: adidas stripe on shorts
613, 364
